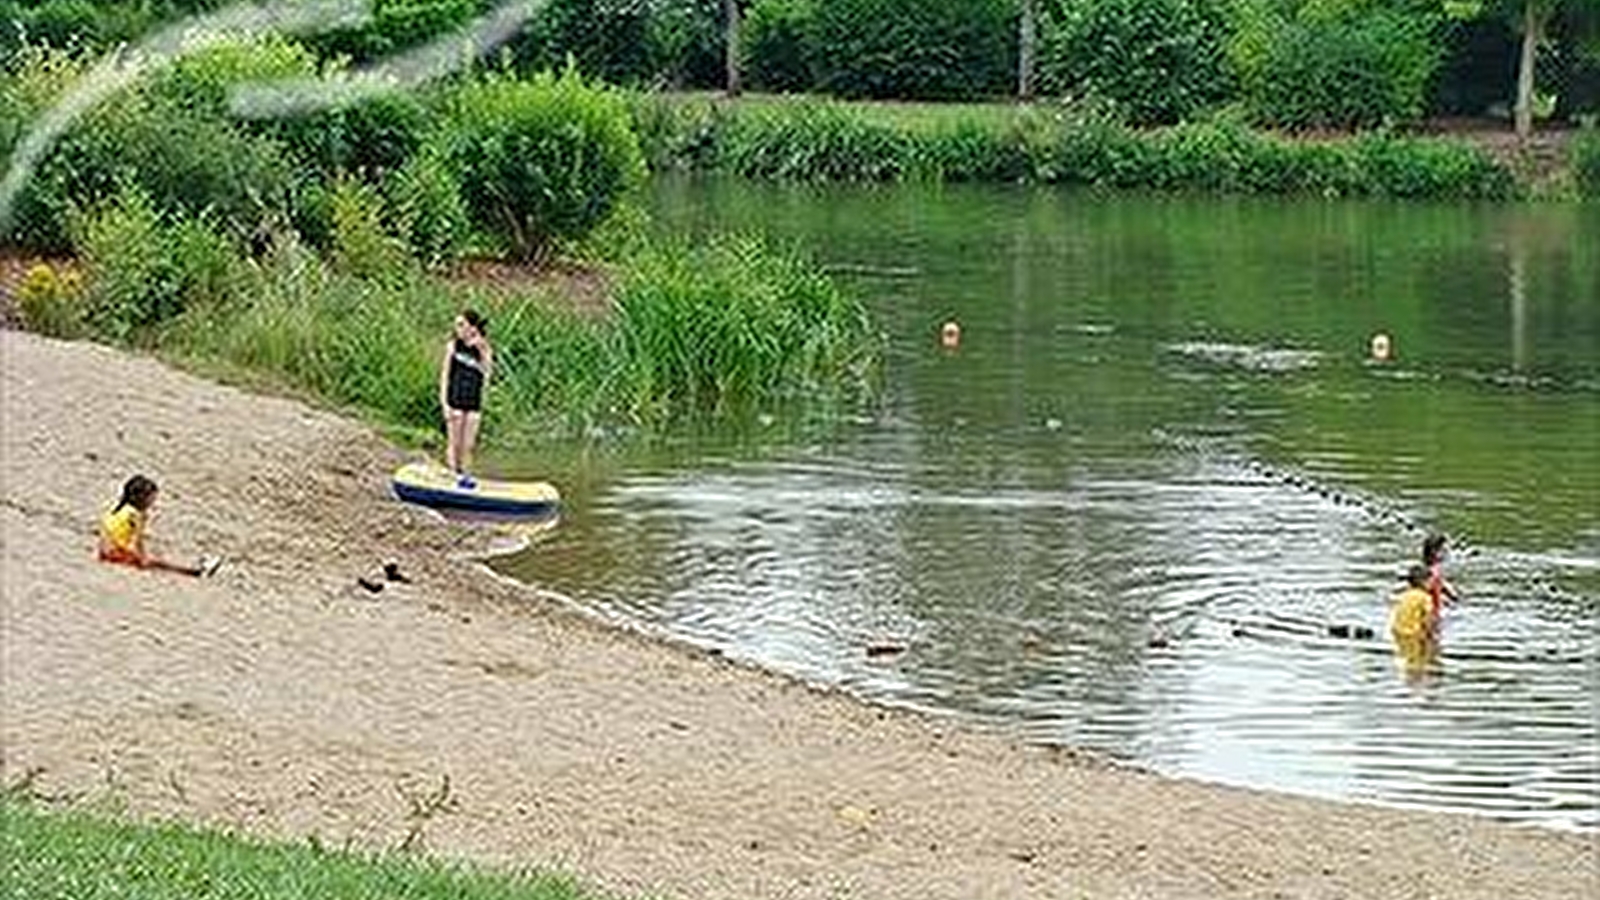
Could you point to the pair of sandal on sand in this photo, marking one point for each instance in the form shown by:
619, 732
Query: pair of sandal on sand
391, 572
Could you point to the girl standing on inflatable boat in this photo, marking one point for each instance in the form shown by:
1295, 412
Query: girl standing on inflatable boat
466, 367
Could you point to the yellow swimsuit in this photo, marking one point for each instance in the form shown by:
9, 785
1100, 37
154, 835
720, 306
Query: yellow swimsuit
1412, 627
122, 529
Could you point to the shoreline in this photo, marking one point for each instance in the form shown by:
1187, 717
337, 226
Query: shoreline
281, 700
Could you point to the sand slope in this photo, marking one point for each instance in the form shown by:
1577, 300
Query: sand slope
280, 699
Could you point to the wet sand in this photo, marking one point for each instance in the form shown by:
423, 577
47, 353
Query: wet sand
281, 699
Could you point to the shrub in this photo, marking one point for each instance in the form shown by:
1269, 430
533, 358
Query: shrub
812, 141
915, 50
1350, 72
1162, 61
778, 46
63, 23
972, 151
51, 302
201, 82
396, 25
361, 245
612, 40
673, 133
542, 160
429, 214
185, 159
144, 271
688, 40
1586, 162
1420, 167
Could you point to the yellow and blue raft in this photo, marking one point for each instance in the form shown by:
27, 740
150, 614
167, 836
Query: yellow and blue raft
432, 485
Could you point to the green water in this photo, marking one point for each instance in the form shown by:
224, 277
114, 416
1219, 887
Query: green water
1124, 512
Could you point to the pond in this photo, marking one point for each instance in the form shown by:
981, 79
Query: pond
1153, 499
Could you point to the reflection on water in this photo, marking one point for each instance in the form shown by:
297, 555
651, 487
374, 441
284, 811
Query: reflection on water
1157, 500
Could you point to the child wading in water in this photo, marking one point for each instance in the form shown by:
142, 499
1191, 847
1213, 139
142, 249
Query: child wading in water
1439, 590
1413, 624
122, 532
468, 361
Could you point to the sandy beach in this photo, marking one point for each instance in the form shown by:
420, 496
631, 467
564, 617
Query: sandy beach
281, 699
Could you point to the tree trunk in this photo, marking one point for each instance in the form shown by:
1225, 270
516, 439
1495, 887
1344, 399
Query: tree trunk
730, 10
1531, 26
1026, 41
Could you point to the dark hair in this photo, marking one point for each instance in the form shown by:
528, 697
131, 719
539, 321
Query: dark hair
1431, 548
1417, 576
476, 320
137, 493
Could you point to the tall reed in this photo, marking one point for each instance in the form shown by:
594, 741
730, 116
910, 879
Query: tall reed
733, 328
829, 141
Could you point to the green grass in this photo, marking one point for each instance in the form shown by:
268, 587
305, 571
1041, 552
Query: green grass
49, 855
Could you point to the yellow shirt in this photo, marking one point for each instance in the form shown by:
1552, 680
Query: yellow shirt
1412, 618
123, 528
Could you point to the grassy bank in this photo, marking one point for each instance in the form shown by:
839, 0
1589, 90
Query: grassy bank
807, 139
47, 855
733, 329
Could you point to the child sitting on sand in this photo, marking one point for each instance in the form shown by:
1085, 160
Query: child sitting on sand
1412, 623
122, 532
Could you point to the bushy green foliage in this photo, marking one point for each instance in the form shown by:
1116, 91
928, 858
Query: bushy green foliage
51, 301
542, 160
362, 245
34, 78
428, 212
811, 141
199, 83
183, 161
1586, 162
397, 25
1079, 144
674, 134
167, 137
688, 39
1346, 71
778, 44
145, 270
65, 24
1162, 61
913, 49
606, 39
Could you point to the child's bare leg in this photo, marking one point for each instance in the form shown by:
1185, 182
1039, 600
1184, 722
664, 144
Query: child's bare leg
163, 565
452, 430
469, 438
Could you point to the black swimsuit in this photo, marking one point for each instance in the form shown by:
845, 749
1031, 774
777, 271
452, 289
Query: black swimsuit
464, 387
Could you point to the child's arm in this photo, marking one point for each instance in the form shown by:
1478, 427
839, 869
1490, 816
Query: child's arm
488, 360
1448, 592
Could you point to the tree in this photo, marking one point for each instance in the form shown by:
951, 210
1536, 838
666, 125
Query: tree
731, 45
1535, 16
1531, 20
1026, 41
